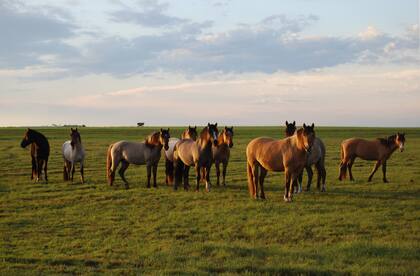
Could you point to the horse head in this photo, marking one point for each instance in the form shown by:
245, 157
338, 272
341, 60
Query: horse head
27, 138
164, 138
212, 133
192, 132
308, 137
290, 128
226, 137
75, 137
400, 141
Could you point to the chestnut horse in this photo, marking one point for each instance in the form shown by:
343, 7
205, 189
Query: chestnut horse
127, 153
288, 155
221, 152
73, 152
189, 133
379, 150
198, 153
315, 157
40, 151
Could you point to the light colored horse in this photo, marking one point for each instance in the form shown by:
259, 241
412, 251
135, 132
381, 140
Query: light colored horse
288, 155
189, 133
126, 153
379, 150
315, 157
73, 152
198, 154
221, 152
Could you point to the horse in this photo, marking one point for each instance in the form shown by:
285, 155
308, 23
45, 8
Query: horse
73, 152
189, 133
197, 153
379, 150
138, 153
288, 155
40, 151
315, 157
221, 152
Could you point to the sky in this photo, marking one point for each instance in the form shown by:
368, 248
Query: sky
235, 62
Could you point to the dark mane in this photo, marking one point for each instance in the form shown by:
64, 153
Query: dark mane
388, 142
148, 140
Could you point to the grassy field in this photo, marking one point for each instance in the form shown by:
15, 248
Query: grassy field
60, 227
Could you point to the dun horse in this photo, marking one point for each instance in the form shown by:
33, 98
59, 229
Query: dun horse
288, 155
315, 157
126, 153
221, 152
73, 152
40, 151
379, 150
189, 133
198, 154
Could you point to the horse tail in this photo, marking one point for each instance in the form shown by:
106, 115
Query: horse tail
110, 173
65, 174
343, 165
251, 184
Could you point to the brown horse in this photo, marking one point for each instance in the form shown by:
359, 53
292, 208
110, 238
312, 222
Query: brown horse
379, 150
127, 153
288, 155
40, 151
198, 153
189, 133
221, 152
315, 157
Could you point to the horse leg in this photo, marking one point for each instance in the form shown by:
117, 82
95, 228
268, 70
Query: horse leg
377, 164
217, 165
149, 174
33, 168
197, 176
73, 168
224, 172
310, 175
45, 170
39, 170
82, 176
186, 173
263, 173
286, 185
300, 179
384, 172
154, 175
350, 165
124, 166
208, 184
324, 176
256, 179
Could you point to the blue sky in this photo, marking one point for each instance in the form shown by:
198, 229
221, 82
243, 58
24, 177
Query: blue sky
189, 62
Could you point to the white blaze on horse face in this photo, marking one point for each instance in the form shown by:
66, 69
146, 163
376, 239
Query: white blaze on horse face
401, 146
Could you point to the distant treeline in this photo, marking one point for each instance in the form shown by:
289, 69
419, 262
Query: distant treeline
55, 125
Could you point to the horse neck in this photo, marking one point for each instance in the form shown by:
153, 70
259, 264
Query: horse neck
220, 140
77, 145
40, 140
203, 143
391, 148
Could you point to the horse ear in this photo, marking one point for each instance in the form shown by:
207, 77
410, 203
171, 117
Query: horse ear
226, 128
195, 127
168, 129
287, 122
294, 123
215, 124
71, 129
208, 124
76, 129
304, 125
313, 125
161, 130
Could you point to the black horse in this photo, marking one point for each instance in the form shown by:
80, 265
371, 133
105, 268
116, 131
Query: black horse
40, 151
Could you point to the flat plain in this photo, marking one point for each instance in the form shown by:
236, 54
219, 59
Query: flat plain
62, 227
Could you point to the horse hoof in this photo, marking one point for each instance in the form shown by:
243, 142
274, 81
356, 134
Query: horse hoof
285, 199
385, 181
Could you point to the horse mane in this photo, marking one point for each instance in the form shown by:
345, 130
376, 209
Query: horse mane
39, 139
388, 142
152, 140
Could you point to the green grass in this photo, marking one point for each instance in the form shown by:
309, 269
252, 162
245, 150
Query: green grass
60, 227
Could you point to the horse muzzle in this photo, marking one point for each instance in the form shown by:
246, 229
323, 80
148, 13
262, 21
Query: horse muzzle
166, 147
230, 145
215, 142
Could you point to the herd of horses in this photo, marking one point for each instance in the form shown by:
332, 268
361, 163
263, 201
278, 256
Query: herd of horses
299, 150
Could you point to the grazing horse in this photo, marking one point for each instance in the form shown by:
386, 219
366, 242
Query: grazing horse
315, 157
189, 133
198, 153
221, 152
126, 153
379, 150
40, 151
73, 152
288, 155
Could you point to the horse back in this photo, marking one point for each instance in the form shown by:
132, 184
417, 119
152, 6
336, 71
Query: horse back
169, 154
267, 152
132, 152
